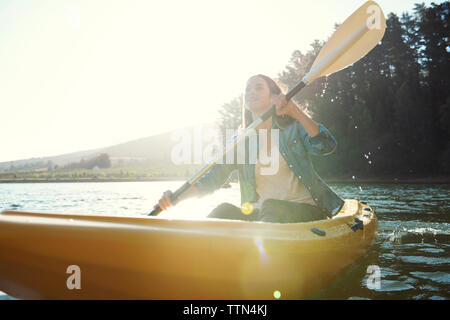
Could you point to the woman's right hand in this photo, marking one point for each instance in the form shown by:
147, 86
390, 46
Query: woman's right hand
165, 201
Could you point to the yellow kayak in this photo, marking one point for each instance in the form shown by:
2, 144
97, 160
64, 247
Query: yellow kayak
68, 256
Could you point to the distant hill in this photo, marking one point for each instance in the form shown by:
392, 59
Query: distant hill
155, 149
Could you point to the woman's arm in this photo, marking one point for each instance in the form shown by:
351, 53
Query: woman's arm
165, 201
291, 109
210, 182
311, 127
318, 140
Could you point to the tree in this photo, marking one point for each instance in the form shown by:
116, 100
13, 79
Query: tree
390, 111
230, 116
103, 161
434, 52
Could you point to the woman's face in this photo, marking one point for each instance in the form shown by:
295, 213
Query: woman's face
257, 95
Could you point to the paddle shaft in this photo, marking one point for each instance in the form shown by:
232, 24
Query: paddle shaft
269, 113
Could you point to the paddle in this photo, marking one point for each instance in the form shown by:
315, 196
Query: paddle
357, 35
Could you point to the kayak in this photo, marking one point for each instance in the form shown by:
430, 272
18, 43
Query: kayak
81, 256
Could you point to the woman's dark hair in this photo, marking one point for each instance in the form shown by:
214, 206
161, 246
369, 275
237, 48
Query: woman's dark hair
247, 116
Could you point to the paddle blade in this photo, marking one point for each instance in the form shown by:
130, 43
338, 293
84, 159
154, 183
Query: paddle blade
354, 38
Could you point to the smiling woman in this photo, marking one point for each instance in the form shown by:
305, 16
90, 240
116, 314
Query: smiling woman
293, 192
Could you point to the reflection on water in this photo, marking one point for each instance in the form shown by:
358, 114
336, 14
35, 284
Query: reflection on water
124, 198
412, 247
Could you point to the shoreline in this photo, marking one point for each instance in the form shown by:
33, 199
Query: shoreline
425, 180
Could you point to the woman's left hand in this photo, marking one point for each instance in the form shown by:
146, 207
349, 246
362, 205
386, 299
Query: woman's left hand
284, 107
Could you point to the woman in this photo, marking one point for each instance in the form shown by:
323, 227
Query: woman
295, 192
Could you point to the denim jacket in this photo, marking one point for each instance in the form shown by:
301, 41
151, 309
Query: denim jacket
295, 146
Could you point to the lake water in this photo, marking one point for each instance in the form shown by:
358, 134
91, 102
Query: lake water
412, 247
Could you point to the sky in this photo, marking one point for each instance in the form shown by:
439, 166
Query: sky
78, 75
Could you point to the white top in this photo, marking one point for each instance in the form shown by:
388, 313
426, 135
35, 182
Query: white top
282, 184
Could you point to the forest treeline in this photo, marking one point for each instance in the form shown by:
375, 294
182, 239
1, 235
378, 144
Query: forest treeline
390, 111
100, 161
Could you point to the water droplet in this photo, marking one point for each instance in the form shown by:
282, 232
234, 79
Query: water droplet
277, 294
370, 162
360, 189
353, 177
356, 127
